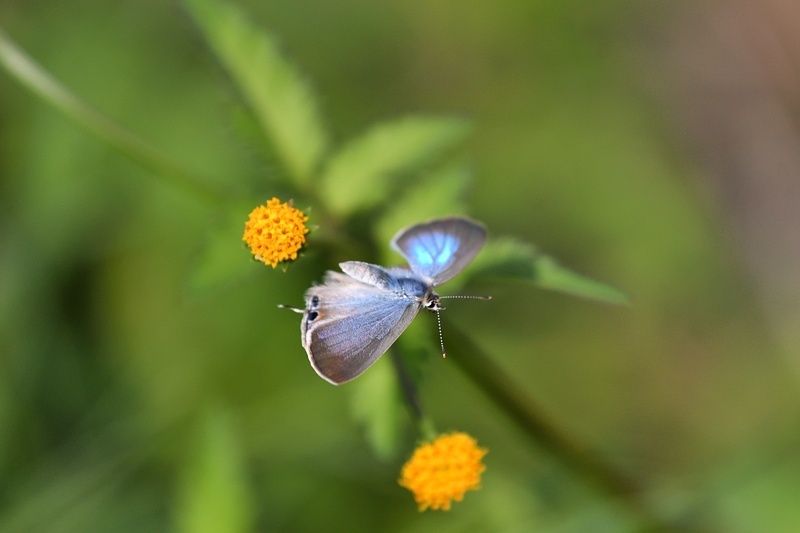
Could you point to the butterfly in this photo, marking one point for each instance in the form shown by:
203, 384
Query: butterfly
353, 317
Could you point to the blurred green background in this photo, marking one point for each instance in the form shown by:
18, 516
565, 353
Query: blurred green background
652, 146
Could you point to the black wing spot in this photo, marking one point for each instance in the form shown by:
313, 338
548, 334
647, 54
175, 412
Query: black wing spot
314, 301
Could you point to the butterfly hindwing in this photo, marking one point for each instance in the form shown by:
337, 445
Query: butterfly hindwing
440, 249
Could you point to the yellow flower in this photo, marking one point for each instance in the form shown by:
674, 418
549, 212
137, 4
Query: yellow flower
275, 232
443, 470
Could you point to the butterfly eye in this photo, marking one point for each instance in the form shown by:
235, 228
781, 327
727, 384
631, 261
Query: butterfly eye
312, 315
314, 302
433, 304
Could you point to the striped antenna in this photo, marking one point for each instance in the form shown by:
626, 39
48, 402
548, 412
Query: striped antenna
439, 318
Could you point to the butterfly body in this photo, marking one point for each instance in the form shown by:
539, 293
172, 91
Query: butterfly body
353, 317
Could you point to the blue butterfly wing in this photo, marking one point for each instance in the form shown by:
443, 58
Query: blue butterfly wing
348, 324
438, 250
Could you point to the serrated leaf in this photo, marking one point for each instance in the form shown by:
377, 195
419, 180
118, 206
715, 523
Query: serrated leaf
255, 143
283, 102
437, 193
364, 172
376, 404
223, 256
514, 260
214, 495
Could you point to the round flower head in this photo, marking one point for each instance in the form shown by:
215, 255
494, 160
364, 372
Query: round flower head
275, 232
443, 470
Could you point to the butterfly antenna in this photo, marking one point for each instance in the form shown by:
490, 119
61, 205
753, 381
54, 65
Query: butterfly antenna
470, 297
441, 339
289, 307
439, 318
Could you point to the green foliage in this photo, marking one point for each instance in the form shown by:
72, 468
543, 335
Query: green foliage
368, 170
377, 405
214, 495
277, 94
440, 190
108, 371
403, 171
509, 259
219, 259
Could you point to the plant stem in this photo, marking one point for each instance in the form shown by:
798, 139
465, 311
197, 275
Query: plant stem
501, 389
424, 425
30, 74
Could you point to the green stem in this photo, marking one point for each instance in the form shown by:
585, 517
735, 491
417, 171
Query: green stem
425, 426
39, 81
501, 388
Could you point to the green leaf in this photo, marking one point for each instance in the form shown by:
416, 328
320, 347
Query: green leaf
376, 403
223, 257
510, 259
438, 193
551, 275
214, 495
283, 102
364, 173
29, 73
757, 493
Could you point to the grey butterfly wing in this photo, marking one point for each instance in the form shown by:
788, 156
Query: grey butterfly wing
440, 249
348, 325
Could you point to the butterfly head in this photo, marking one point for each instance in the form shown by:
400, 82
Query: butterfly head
431, 302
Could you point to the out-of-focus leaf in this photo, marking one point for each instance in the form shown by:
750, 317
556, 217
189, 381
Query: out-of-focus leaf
70, 487
214, 495
22, 67
363, 173
283, 102
761, 495
437, 193
551, 275
515, 260
223, 257
255, 142
376, 404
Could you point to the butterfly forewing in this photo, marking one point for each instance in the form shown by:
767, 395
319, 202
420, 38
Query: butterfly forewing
348, 325
440, 249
